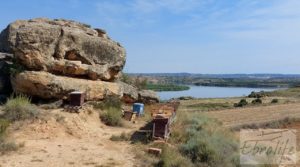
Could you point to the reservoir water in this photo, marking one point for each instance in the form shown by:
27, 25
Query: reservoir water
211, 92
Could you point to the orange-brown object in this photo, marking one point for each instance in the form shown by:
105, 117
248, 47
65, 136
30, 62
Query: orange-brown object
155, 151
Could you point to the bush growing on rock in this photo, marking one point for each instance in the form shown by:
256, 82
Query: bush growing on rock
126, 79
19, 108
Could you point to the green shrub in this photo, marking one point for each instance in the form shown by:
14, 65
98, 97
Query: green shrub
7, 146
126, 79
257, 101
274, 101
166, 87
112, 117
15, 68
109, 102
204, 141
242, 103
19, 108
257, 94
3, 125
212, 149
170, 157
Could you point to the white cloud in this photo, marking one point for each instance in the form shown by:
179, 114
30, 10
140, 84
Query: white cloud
248, 19
173, 6
137, 12
279, 21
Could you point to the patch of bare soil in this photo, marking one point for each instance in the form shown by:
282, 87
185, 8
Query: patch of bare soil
68, 139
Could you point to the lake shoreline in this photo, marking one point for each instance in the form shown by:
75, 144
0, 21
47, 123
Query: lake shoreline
212, 92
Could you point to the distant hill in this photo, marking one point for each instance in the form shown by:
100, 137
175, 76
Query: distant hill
223, 80
255, 76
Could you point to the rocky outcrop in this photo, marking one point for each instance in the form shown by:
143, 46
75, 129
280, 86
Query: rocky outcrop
49, 86
51, 58
148, 96
63, 47
130, 93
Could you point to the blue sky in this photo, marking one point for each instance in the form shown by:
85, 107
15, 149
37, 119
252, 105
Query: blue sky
197, 36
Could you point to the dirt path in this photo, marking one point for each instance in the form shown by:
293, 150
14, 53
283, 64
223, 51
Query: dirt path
260, 114
69, 140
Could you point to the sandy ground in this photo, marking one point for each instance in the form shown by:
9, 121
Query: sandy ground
68, 139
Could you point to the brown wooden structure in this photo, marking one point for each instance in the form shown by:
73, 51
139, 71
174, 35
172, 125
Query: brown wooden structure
161, 127
76, 98
163, 115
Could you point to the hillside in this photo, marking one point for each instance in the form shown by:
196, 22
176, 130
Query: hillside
224, 80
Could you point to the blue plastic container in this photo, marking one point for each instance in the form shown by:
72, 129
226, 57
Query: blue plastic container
138, 108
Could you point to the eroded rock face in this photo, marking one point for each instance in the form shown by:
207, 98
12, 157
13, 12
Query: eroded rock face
48, 86
130, 93
148, 96
51, 58
63, 47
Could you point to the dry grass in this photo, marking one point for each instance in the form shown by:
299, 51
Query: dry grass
203, 140
275, 124
256, 115
19, 108
122, 137
112, 117
215, 104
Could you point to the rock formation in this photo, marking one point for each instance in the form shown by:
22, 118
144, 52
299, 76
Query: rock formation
132, 94
64, 48
46, 85
148, 96
55, 57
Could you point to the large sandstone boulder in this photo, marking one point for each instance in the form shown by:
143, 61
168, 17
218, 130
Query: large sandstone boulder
130, 93
49, 86
51, 58
63, 47
148, 96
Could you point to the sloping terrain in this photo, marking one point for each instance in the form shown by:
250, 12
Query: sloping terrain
68, 139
